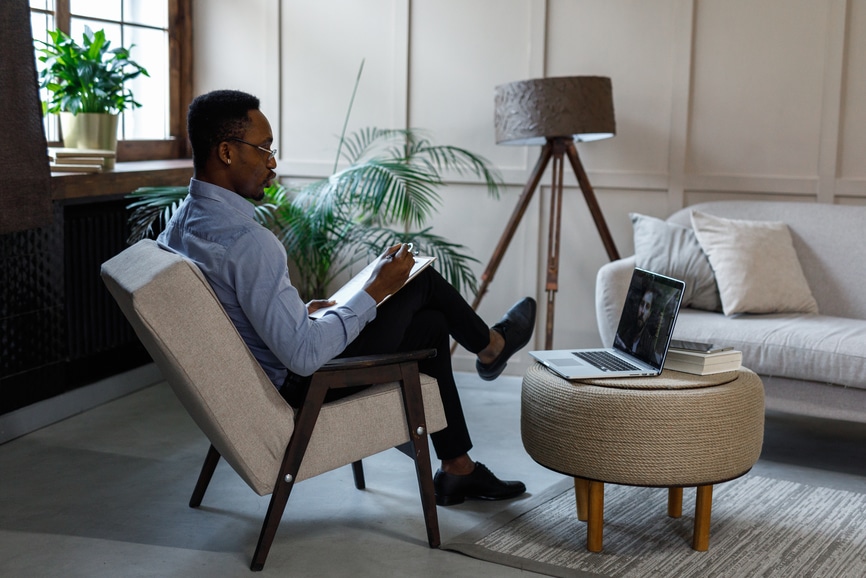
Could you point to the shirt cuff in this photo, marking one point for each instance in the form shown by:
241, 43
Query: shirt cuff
363, 305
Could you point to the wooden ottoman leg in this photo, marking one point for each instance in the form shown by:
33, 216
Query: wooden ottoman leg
675, 502
595, 520
703, 510
581, 497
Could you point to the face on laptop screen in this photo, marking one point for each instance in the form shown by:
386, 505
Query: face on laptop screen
648, 316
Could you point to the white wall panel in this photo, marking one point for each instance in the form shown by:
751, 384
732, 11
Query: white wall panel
758, 86
237, 49
460, 51
632, 42
323, 44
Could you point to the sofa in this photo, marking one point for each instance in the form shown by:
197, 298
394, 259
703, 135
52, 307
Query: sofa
783, 282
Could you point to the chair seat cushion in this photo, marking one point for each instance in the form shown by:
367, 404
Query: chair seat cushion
364, 424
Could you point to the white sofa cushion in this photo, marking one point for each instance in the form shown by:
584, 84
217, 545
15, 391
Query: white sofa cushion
673, 250
807, 347
756, 266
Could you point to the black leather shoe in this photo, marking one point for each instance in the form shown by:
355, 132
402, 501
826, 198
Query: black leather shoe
516, 327
481, 484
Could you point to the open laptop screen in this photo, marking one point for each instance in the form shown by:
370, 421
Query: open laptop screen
648, 316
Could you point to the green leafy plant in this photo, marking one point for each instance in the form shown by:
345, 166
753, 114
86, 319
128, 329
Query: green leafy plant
87, 77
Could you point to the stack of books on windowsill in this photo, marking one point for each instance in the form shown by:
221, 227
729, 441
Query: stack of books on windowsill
64, 160
701, 363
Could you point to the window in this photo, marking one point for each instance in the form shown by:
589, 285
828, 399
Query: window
158, 32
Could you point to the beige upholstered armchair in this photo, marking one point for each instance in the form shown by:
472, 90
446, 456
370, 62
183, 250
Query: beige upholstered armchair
186, 331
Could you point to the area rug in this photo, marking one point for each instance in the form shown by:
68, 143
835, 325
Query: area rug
760, 527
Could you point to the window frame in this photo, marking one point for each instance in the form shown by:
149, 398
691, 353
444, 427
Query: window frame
180, 54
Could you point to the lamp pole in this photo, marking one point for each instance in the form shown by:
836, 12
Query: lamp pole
555, 148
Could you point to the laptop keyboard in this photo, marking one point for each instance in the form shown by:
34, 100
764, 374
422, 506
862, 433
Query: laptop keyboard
605, 360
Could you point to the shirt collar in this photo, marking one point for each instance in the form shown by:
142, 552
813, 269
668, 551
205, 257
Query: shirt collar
207, 190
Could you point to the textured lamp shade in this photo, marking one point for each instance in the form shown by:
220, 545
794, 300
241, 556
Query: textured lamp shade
528, 112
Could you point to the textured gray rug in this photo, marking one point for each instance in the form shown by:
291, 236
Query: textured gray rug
760, 527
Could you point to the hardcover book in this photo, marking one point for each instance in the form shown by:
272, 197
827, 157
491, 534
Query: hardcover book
703, 363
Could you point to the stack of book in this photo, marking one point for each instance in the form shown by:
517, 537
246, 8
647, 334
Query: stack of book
701, 363
63, 160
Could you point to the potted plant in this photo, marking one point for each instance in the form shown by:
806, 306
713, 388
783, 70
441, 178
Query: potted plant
85, 83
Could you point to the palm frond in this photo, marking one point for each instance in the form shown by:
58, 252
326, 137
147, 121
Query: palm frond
390, 189
152, 206
451, 260
444, 157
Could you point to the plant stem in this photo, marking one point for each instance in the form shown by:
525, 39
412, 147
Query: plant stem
348, 114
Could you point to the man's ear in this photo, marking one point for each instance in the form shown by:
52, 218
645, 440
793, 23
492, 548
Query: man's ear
224, 153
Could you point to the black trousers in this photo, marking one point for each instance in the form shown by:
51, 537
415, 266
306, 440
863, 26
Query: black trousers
423, 314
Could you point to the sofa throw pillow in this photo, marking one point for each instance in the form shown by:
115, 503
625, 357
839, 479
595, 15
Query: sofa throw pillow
756, 267
673, 250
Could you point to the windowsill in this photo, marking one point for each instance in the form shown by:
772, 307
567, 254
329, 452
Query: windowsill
125, 178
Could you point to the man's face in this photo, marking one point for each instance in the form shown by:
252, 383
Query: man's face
252, 170
644, 308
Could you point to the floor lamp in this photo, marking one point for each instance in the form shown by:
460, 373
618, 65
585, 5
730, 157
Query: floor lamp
555, 113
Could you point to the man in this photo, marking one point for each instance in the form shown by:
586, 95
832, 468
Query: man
641, 339
246, 266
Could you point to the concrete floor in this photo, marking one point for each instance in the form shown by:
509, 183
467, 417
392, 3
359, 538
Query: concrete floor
105, 494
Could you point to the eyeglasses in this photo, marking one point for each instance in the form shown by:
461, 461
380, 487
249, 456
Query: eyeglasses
271, 152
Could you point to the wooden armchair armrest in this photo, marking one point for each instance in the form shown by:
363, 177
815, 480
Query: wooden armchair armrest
341, 363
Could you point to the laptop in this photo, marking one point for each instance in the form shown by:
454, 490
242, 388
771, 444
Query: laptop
642, 336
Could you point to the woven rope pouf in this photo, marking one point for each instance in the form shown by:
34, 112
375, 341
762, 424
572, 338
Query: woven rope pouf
675, 430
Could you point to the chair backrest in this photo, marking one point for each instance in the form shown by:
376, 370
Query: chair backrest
179, 320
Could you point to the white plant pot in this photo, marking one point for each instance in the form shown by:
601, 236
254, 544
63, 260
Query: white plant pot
90, 130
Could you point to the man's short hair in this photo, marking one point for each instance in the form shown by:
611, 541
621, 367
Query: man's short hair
214, 117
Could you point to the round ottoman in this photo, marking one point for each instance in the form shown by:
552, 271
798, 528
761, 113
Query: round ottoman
675, 430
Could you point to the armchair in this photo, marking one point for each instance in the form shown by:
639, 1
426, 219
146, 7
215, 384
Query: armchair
196, 347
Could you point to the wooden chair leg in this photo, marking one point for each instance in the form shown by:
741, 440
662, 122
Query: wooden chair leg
703, 511
581, 497
595, 519
413, 403
291, 463
207, 470
675, 502
358, 474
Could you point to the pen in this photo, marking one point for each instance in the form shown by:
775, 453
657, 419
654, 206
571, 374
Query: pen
410, 248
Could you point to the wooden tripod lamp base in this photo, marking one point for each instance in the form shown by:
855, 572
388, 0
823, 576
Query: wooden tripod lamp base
540, 111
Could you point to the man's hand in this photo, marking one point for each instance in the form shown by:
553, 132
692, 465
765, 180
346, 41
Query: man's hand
391, 272
317, 304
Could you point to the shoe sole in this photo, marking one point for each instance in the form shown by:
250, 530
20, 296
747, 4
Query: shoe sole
454, 500
449, 500
486, 373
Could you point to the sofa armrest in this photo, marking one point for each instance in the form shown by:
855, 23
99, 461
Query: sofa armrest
611, 287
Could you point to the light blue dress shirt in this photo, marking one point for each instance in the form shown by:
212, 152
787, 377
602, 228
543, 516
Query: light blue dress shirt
246, 266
